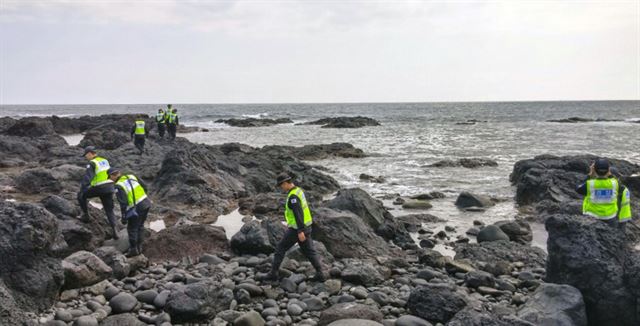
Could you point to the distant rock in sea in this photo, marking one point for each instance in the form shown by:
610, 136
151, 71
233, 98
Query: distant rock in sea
344, 122
253, 122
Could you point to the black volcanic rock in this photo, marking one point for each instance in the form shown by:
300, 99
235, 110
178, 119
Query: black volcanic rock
253, 122
345, 122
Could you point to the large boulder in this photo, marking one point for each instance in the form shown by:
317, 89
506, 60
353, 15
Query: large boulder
467, 199
496, 251
36, 181
363, 273
359, 202
344, 122
491, 233
349, 310
257, 237
29, 244
469, 163
105, 139
31, 127
555, 304
435, 302
554, 178
253, 122
82, 269
185, 240
346, 236
590, 255
518, 230
198, 302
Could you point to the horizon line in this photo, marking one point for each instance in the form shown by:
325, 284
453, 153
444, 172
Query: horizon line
348, 102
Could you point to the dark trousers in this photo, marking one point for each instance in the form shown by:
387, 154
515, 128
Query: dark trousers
135, 227
161, 130
105, 192
172, 128
139, 141
290, 238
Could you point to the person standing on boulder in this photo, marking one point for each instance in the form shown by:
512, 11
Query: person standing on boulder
172, 122
96, 183
131, 193
139, 134
605, 198
298, 217
161, 119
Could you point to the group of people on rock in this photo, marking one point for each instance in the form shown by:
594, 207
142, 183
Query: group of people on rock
605, 198
168, 121
103, 181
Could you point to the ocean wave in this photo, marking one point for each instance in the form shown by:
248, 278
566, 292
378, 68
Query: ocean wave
256, 116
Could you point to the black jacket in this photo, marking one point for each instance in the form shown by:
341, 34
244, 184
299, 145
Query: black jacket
296, 207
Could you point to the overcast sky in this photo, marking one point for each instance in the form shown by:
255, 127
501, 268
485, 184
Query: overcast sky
317, 51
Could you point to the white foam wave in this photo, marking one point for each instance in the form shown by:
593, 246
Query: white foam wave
256, 116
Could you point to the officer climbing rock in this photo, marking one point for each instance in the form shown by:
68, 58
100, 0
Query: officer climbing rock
139, 134
298, 217
605, 198
96, 183
131, 193
161, 119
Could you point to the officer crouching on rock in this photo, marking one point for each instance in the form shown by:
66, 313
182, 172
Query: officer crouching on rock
299, 220
134, 205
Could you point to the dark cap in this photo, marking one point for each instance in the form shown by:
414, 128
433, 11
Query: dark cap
283, 177
168, 105
601, 165
89, 149
113, 171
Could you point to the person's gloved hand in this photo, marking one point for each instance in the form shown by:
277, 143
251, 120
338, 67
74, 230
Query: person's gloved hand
123, 221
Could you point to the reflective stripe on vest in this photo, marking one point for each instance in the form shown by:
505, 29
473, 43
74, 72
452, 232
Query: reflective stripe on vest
140, 127
601, 200
160, 117
625, 206
100, 172
129, 183
289, 216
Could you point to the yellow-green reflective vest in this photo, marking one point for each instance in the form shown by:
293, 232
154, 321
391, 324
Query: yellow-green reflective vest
289, 216
129, 183
171, 117
625, 206
160, 117
100, 172
601, 200
140, 127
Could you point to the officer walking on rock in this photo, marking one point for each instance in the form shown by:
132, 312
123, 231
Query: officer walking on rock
299, 220
139, 134
132, 196
96, 183
161, 119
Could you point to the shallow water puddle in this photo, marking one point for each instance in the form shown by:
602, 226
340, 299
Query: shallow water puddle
73, 140
157, 225
232, 223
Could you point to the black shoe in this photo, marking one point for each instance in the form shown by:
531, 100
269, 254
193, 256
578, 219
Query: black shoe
132, 253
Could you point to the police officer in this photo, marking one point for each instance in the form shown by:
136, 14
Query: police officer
172, 122
131, 193
96, 183
161, 120
139, 134
299, 220
605, 198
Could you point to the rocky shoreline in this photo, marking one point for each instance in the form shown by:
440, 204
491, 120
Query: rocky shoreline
383, 269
